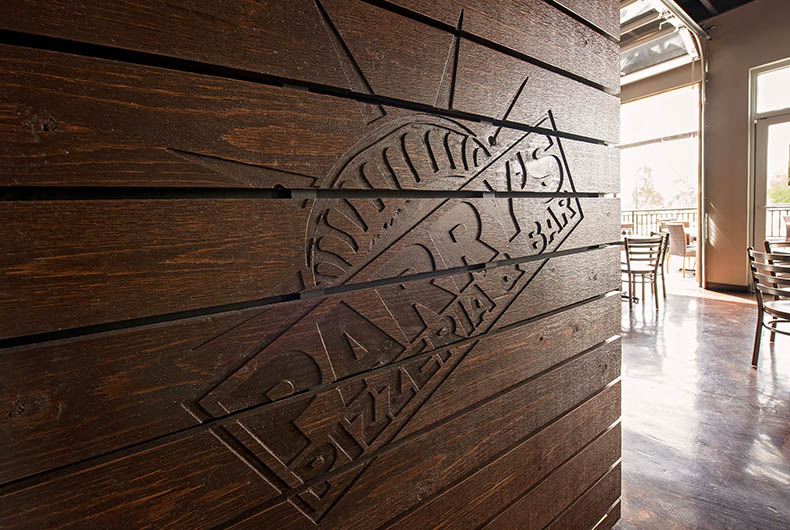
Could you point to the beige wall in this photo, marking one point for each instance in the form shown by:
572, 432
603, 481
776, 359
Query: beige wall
752, 35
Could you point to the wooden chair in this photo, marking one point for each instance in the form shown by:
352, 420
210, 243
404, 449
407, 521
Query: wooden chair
662, 259
626, 228
677, 243
771, 277
642, 261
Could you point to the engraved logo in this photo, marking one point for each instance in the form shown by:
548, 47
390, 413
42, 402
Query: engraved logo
325, 395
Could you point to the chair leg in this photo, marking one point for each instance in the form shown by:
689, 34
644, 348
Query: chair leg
655, 290
684, 265
664, 284
772, 337
630, 292
757, 336
642, 278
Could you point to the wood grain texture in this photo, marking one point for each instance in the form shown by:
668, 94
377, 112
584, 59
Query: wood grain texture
487, 79
98, 261
535, 29
333, 493
190, 483
407, 477
283, 39
295, 41
367, 306
140, 378
470, 503
584, 512
604, 14
542, 505
70, 120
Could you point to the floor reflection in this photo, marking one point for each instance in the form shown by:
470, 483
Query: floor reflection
706, 438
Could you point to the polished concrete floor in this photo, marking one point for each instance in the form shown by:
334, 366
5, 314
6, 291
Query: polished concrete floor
706, 438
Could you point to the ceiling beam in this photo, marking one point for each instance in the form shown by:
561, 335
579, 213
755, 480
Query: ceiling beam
710, 7
690, 23
644, 20
650, 37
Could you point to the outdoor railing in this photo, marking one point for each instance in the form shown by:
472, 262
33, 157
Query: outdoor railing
646, 221
774, 221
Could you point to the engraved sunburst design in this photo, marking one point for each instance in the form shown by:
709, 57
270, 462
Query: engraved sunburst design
312, 446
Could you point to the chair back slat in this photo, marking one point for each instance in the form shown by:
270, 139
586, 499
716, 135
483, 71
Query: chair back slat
770, 274
772, 281
772, 246
643, 250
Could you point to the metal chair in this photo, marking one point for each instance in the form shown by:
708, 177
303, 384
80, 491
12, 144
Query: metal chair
777, 246
642, 260
771, 277
678, 245
662, 259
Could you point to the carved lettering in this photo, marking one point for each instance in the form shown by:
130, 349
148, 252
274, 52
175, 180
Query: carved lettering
354, 344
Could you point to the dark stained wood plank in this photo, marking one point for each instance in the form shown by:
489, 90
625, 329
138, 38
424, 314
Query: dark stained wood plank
430, 66
487, 81
585, 512
426, 463
471, 502
190, 483
283, 39
586, 281
168, 367
588, 469
535, 29
611, 518
77, 263
75, 121
300, 41
557, 337
70, 120
604, 14
136, 486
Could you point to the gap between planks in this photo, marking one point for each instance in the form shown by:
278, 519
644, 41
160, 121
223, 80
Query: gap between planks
101, 51
70, 333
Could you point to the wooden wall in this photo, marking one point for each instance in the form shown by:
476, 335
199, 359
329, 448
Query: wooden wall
341, 263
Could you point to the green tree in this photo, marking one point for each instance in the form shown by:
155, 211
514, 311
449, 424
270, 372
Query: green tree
645, 194
778, 189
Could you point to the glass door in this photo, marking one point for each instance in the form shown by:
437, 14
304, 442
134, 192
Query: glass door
772, 179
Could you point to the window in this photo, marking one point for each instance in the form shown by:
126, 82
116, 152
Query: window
659, 158
773, 90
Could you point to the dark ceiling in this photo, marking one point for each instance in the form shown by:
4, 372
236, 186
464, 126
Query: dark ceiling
699, 11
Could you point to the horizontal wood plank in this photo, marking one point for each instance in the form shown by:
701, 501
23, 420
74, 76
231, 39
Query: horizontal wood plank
471, 502
585, 512
488, 80
308, 41
538, 508
76, 263
604, 14
190, 483
533, 28
559, 336
429, 461
195, 362
130, 507
76, 121
611, 518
